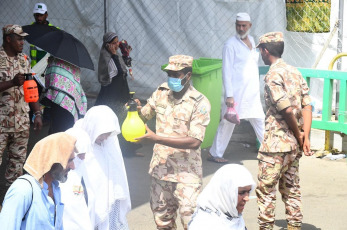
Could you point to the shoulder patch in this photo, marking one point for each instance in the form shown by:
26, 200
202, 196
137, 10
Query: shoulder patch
196, 95
203, 109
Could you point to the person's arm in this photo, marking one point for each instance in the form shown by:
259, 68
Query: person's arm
307, 115
174, 142
306, 112
16, 203
199, 121
38, 115
288, 116
18, 80
274, 86
228, 60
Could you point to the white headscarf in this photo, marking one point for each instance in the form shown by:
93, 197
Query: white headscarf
106, 178
76, 213
221, 195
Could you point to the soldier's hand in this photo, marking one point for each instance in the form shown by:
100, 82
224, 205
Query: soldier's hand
229, 102
38, 123
138, 102
150, 136
300, 139
307, 147
18, 80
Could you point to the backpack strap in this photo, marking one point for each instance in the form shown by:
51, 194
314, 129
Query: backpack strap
32, 196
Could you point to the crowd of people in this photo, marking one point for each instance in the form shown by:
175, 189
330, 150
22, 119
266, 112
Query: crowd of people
76, 178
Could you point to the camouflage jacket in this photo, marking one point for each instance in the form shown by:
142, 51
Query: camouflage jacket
187, 116
284, 87
14, 111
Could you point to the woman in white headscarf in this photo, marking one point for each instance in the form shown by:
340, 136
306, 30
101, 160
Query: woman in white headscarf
221, 203
105, 177
73, 192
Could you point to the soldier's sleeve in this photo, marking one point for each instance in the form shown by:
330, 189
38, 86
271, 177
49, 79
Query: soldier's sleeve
148, 111
274, 86
200, 119
305, 96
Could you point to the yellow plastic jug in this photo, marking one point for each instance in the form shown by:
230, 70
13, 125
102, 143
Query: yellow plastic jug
133, 125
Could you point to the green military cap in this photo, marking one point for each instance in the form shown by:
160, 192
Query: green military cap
13, 29
270, 37
179, 62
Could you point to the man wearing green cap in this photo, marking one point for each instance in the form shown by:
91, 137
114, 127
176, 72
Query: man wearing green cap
182, 114
14, 117
287, 128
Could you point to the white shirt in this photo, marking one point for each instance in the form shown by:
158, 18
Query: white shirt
241, 77
76, 213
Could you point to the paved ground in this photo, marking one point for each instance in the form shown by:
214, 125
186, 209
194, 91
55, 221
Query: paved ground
324, 184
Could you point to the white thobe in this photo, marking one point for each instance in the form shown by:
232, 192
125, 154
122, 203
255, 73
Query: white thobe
241, 81
76, 214
241, 77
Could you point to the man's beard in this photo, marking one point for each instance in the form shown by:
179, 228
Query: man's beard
59, 175
244, 35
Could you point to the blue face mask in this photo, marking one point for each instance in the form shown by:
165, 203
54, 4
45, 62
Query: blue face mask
175, 84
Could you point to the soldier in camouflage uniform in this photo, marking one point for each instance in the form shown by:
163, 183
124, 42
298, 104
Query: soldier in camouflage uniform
287, 127
14, 117
182, 114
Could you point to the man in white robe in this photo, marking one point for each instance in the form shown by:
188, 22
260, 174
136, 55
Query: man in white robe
241, 87
73, 192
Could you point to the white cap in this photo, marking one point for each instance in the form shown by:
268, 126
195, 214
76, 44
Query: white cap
244, 17
40, 8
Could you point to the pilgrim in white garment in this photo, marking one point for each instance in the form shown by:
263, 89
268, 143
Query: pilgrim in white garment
222, 201
73, 193
105, 177
241, 82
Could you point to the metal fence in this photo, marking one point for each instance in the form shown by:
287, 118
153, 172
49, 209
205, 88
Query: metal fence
157, 29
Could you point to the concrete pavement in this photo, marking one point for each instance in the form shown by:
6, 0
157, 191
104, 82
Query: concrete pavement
323, 182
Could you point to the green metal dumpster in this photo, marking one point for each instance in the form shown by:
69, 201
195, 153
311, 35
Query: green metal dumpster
207, 79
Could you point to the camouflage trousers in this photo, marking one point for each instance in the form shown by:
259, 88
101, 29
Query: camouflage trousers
17, 143
166, 197
281, 168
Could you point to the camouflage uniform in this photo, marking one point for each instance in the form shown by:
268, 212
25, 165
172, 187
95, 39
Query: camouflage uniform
14, 117
176, 173
279, 153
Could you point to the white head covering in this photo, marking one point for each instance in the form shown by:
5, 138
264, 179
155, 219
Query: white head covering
83, 144
243, 17
106, 179
221, 194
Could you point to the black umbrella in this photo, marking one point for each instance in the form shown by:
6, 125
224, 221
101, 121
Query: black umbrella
61, 45
37, 30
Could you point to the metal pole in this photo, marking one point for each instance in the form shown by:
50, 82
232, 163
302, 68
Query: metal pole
340, 32
339, 50
105, 17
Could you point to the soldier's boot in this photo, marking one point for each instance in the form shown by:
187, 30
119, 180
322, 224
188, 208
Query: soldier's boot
290, 227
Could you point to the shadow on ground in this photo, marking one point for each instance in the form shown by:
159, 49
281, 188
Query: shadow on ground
283, 225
